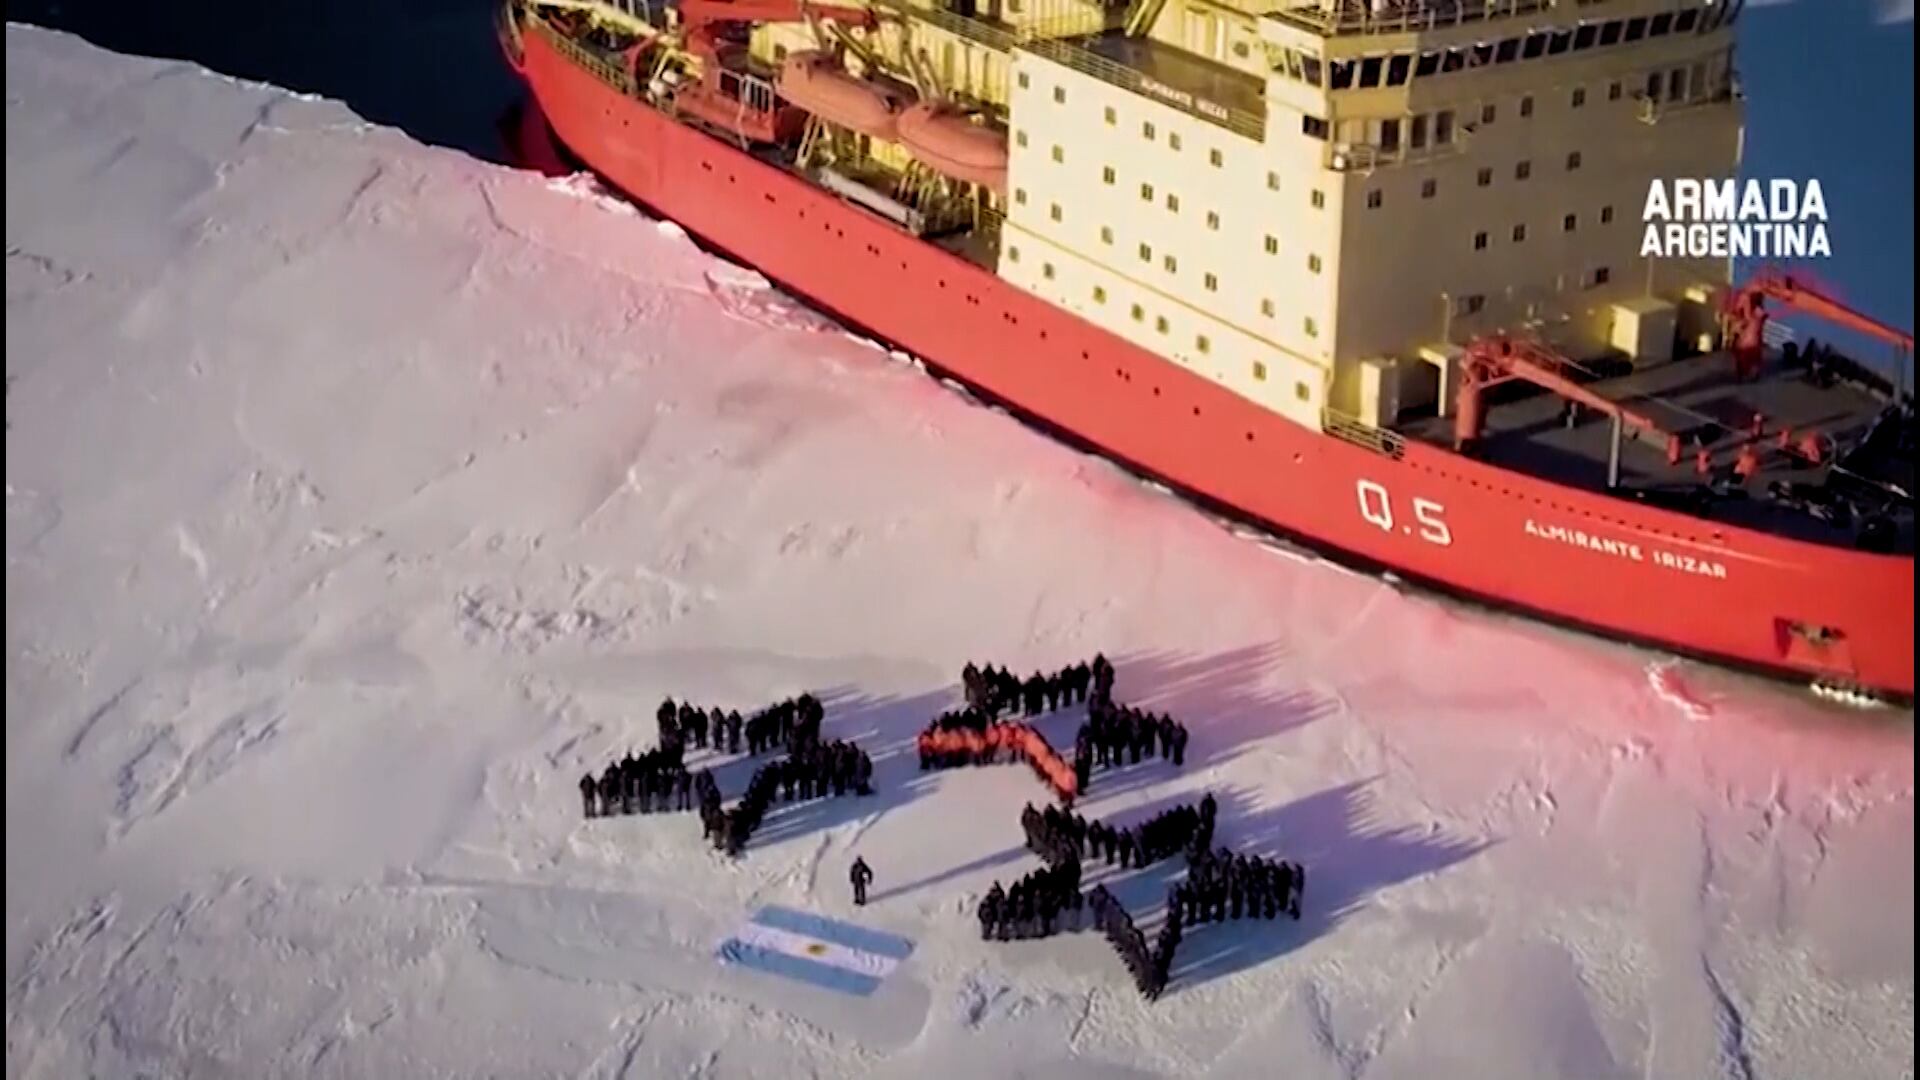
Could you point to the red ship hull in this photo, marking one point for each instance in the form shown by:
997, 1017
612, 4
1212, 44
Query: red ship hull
1575, 556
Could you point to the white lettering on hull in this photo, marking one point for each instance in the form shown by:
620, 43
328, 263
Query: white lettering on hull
1628, 550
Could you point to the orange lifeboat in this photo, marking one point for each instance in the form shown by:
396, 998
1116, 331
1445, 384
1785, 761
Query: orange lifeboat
955, 146
817, 83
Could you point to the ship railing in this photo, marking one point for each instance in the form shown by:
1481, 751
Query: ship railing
591, 60
1363, 157
751, 91
1343, 17
1360, 433
974, 30
1239, 121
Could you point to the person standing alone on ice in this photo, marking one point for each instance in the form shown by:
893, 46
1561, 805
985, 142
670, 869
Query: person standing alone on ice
861, 875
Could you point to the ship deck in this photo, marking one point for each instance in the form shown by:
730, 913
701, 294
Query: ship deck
1698, 399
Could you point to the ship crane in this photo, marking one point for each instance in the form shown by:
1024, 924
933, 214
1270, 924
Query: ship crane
1744, 316
1492, 360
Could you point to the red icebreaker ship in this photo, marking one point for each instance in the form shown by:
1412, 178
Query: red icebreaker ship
1390, 370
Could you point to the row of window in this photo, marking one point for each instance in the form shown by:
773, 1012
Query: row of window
1212, 283
1399, 68
1522, 170
1675, 85
1570, 223
1475, 303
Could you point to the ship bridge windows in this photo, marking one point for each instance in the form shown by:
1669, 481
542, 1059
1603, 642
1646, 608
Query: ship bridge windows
1313, 127
1390, 135
1417, 132
1398, 68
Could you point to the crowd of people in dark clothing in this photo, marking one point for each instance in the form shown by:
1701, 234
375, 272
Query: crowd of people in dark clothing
791, 723
1038, 905
812, 771
1148, 966
1161, 836
992, 690
1221, 885
1115, 731
654, 782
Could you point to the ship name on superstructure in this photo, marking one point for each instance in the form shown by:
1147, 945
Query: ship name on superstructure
1627, 549
1183, 99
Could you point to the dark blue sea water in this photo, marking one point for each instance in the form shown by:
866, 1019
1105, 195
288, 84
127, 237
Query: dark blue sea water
1830, 95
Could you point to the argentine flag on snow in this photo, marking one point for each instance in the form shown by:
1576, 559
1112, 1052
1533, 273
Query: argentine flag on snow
814, 949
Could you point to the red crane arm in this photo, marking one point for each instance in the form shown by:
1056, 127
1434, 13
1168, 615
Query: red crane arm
1796, 294
1531, 362
702, 12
